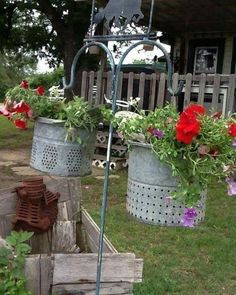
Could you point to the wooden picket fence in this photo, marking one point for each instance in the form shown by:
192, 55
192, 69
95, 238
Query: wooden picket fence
217, 91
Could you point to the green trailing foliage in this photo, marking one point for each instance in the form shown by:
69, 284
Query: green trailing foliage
12, 261
77, 113
193, 144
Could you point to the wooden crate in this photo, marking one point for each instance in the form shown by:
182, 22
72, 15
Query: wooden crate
64, 259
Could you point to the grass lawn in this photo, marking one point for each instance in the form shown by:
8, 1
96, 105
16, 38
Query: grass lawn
180, 261
11, 137
176, 260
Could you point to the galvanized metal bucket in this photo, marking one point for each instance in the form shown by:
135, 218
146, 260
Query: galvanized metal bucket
150, 184
50, 153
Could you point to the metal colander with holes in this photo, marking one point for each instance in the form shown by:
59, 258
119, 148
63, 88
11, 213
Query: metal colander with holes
50, 153
150, 183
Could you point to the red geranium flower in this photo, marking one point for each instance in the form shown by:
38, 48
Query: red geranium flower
232, 130
21, 107
195, 109
187, 128
40, 90
19, 123
24, 84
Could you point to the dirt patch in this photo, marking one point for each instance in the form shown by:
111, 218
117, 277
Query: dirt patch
14, 167
9, 159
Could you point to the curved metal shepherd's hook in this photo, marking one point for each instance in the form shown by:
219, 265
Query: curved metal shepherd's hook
115, 74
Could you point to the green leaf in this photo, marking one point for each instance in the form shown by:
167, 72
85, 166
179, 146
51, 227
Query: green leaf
79, 140
23, 248
11, 240
24, 236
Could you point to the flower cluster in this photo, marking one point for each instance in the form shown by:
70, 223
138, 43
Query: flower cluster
198, 147
23, 103
17, 107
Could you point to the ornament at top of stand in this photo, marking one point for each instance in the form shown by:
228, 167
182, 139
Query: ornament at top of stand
120, 13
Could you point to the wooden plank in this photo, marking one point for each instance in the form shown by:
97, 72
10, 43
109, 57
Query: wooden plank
161, 90
32, 273
152, 95
209, 78
63, 236
141, 89
109, 84
138, 270
75, 194
202, 85
130, 85
69, 208
41, 243
75, 268
175, 82
90, 87
99, 98
120, 85
7, 201
6, 224
230, 104
114, 146
89, 289
59, 184
93, 231
84, 85
62, 211
188, 87
3, 232
216, 92
46, 273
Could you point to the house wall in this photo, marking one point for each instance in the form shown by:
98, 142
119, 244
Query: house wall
228, 47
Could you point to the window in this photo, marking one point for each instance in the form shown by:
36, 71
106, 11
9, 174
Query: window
205, 60
206, 56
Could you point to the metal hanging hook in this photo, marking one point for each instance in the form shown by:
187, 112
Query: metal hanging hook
169, 65
113, 95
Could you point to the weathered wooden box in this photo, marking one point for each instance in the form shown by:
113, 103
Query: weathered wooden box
64, 259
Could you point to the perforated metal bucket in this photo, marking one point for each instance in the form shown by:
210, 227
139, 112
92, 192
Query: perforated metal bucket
150, 183
50, 153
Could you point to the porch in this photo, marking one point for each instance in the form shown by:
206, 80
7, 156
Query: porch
216, 92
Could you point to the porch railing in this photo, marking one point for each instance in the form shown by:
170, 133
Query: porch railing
216, 92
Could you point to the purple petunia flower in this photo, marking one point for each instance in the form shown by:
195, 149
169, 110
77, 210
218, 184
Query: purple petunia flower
189, 216
157, 133
231, 186
234, 144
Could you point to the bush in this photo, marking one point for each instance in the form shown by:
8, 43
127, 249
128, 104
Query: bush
47, 79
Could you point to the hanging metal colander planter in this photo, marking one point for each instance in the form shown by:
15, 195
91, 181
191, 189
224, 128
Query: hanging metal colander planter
150, 184
52, 154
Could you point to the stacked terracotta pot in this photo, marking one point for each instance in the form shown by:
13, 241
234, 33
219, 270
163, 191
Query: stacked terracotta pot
36, 208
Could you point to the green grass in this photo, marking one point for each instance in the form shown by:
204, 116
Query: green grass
176, 260
11, 137
179, 261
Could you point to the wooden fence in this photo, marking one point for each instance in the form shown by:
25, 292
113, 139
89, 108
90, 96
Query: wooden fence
217, 92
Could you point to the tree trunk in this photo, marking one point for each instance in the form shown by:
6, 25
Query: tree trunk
69, 54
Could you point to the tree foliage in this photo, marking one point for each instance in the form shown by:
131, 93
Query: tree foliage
52, 29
